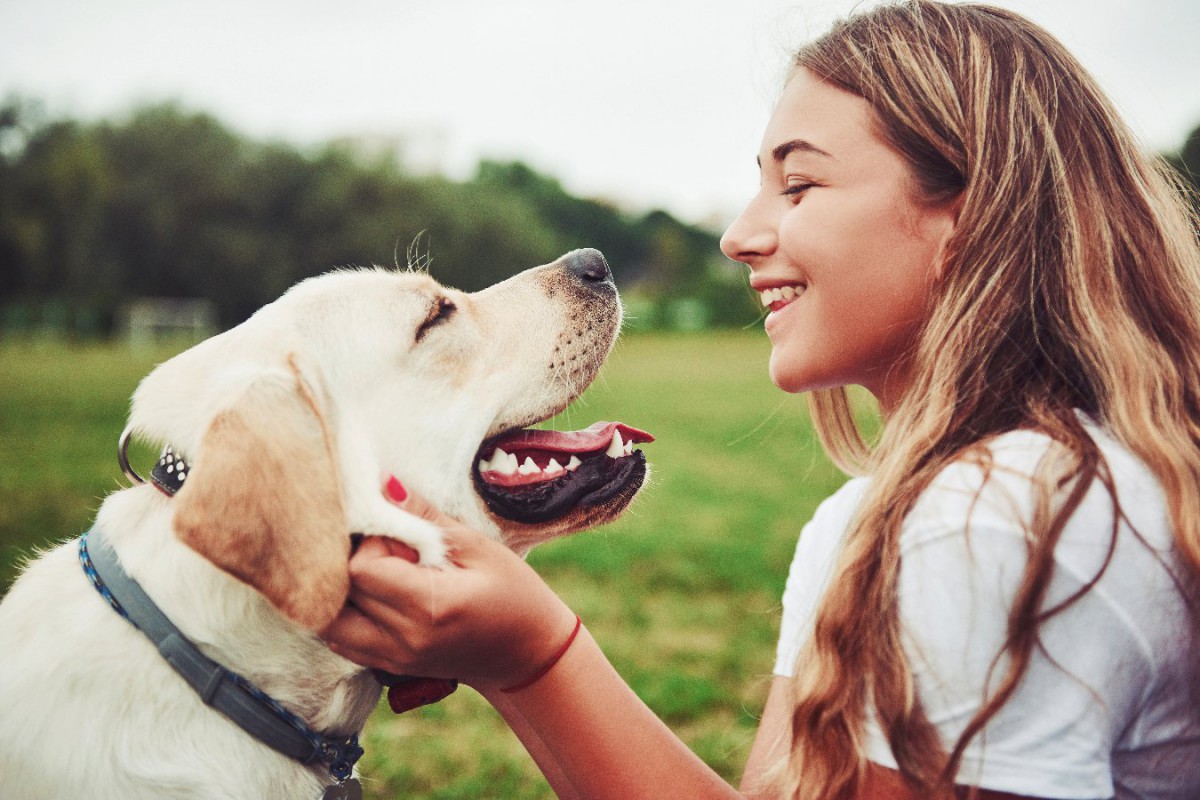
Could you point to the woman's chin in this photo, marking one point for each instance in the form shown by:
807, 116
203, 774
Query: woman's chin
786, 376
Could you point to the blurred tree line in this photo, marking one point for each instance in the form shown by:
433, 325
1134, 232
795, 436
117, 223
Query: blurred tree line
1187, 162
171, 203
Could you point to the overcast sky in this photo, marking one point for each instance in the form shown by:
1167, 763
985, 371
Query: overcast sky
649, 103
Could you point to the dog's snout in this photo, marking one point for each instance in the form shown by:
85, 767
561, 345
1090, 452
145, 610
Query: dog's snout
588, 265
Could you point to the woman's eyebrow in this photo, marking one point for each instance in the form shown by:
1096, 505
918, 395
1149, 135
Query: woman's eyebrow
795, 146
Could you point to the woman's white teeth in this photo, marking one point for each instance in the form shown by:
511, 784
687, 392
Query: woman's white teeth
780, 293
506, 463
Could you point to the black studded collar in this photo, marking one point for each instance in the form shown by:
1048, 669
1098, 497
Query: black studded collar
168, 474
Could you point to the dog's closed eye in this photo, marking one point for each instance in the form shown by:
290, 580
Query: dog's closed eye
441, 311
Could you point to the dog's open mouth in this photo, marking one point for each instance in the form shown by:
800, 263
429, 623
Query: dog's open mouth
534, 476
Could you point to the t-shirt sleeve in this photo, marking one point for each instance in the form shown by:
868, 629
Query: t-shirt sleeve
812, 564
963, 557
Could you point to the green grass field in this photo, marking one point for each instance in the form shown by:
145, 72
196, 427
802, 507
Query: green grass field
682, 592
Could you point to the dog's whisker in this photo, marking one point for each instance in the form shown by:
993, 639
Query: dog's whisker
395, 254
418, 261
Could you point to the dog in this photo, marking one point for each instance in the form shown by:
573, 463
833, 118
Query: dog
280, 432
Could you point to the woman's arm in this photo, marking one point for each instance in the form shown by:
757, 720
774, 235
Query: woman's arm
490, 621
603, 738
771, 741
559, 781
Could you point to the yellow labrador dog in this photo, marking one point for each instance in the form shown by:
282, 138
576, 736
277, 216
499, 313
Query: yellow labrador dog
171, 653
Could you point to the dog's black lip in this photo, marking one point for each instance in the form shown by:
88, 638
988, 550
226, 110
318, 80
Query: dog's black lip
597, 480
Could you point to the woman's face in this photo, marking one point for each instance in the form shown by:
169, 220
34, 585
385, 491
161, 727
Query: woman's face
838, 245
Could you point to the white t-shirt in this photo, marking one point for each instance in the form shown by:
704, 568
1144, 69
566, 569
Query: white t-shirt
1111, 707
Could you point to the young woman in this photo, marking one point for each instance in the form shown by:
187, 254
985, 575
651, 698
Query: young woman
951, 215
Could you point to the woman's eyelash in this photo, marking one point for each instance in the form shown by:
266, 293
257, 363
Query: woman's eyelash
796, 189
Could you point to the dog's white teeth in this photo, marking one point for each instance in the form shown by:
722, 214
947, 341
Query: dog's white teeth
502, 462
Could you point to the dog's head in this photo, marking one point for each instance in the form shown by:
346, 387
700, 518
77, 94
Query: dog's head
291, 419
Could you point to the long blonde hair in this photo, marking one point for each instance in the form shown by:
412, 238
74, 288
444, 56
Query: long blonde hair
1072, 282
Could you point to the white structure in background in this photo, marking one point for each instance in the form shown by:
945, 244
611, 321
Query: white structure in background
420, 151
148, 321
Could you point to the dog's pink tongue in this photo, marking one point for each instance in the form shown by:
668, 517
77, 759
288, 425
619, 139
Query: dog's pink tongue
594, 437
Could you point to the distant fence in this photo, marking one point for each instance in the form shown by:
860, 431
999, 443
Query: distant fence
148, 321
142, 322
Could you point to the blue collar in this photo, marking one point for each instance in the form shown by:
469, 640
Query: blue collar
246, 705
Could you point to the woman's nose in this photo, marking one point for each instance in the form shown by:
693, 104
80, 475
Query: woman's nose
750, 236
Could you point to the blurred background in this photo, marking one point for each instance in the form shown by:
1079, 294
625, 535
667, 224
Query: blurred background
168, 166
222, 150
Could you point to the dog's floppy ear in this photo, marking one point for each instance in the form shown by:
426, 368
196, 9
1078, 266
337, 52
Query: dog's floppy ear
262, 500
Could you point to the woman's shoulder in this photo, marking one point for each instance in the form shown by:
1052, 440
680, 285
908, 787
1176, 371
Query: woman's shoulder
998, 484
821, 537
1113, 665
1118, 540
838, 507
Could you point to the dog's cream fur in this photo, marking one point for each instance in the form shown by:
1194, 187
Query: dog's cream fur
290, 421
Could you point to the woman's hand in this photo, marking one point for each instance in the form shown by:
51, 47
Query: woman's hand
486, 619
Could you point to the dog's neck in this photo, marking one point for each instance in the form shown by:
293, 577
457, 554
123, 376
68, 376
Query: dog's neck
233, 623
260, 715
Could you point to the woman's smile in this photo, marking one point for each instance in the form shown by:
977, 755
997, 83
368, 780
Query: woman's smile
780, 296
776, 297
838, 224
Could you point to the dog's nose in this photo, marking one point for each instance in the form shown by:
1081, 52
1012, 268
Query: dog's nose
588, 265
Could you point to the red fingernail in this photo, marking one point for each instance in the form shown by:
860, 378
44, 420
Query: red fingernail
396, 490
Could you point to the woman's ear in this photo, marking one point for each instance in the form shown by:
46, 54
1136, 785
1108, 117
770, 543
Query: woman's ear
947, 226
262, 499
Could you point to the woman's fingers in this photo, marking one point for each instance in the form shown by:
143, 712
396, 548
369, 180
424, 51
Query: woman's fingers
393, 581
371, 547
399, 495
354, 636
461, 541
485, 618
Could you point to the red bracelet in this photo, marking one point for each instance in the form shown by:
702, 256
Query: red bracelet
562, 651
